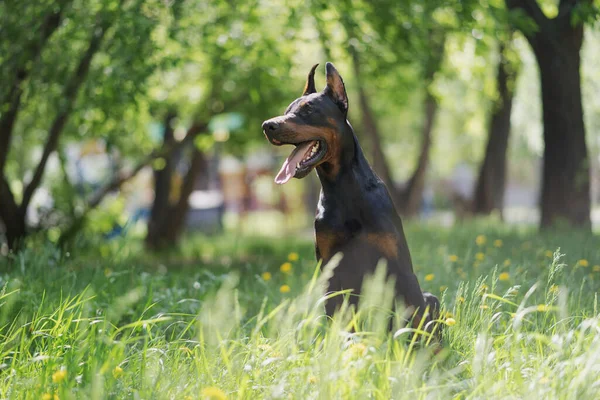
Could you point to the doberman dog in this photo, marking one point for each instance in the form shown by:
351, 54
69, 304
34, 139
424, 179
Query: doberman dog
355, 214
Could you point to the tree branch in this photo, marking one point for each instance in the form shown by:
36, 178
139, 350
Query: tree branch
121, 178
531, 8
33, 51
544, 35
566, 6
118, 180
68, 98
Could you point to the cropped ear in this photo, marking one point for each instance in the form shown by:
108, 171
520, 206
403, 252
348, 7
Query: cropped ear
310, 82
335, 88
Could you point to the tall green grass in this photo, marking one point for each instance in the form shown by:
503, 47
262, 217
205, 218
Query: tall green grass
234, 317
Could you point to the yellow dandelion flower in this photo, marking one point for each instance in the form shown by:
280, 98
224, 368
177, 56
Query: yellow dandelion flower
213, 393
59, 375
429, 277
453, 258
117, 372
312, 379
266, 276
284, 289
505, 276
507, 262
480, 240
286, 267
293, 256
483, 287
498, 243
450, 321
596, 268
461, 299
479, 256
483, 307
549, 253
583, 262
443, 287
553, 288
357, 349
543, 307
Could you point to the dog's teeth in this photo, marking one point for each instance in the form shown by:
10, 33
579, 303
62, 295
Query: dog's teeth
314, 149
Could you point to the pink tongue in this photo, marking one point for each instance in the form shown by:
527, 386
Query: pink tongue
288, 169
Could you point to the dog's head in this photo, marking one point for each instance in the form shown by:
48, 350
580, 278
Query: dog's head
314, 123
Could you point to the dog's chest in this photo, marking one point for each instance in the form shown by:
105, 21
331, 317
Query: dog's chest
358, 243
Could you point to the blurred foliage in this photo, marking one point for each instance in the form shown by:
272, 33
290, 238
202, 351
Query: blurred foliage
206, 58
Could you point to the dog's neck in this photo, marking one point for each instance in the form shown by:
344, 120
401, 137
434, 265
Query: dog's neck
349, 172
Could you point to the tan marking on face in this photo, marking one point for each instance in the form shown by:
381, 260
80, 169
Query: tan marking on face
385, 242
329, 135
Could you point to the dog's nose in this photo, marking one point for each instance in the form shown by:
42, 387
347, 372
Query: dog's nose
270, 125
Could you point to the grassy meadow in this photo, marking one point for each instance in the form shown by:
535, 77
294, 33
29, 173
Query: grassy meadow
234, 317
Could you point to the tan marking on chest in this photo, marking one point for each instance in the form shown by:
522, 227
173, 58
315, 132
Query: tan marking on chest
326, 241
385, 242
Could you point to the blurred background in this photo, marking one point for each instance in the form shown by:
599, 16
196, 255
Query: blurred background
143, 117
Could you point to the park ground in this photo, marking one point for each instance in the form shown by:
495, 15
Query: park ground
236, 317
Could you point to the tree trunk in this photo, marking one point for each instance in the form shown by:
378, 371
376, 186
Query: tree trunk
413, 194
176, 224
167, 229
370, 128
557, 43
10, 213
69, 97
566, 175
489, 188
122, 177
167, 217
11, 216
13, 99
160, 211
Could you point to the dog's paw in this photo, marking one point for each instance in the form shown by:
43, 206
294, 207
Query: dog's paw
434, 324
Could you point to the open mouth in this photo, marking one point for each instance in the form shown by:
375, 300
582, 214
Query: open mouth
300, 162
